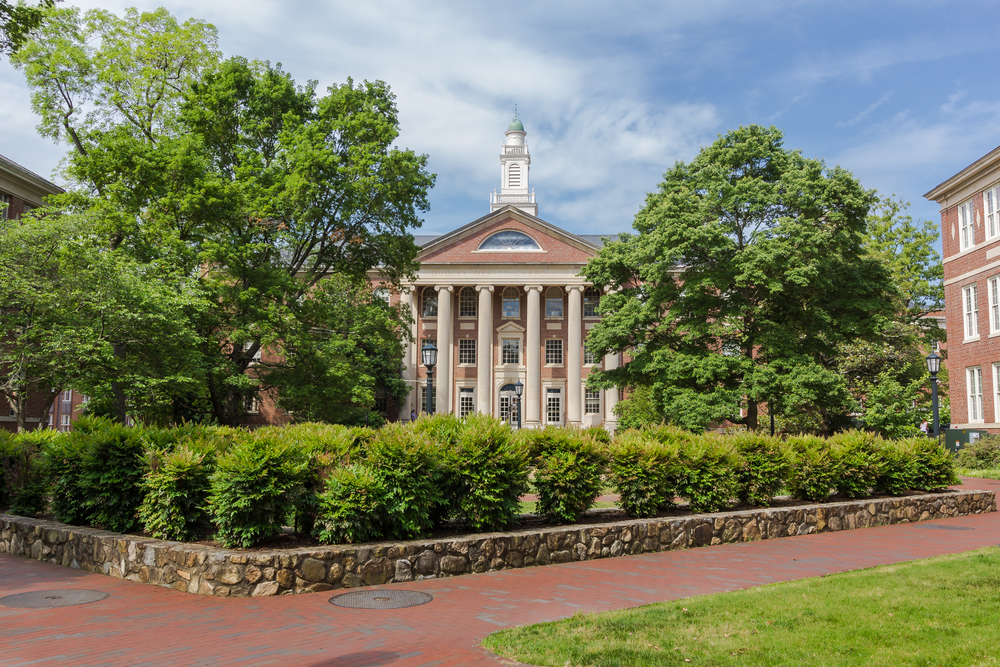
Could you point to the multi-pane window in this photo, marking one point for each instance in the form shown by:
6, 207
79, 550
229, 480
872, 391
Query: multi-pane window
974, 381
971, 306
553, 351
510, 350
381, 400
591, 299
592, 401
553, 302
467, 350
553, 406
511, 302
991, 210
466, 402
251, 404
64, 423
967, 230
423, 400
246, 348
506, 409
67, 395
429, 302
4, 205
588, 356
467, 302
993, 287
382, 294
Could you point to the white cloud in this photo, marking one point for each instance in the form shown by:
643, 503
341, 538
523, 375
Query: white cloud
864, 114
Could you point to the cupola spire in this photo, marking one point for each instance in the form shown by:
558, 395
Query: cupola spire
515, 163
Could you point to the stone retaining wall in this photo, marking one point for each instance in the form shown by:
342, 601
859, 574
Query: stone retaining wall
210, 571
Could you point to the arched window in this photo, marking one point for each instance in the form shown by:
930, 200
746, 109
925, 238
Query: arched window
591, 300
509, 240
429, 303
467, 302
553, 302
514, 176
511, 302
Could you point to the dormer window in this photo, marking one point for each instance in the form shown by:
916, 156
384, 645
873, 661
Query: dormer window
510, 241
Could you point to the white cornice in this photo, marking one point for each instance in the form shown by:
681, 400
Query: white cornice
967, 182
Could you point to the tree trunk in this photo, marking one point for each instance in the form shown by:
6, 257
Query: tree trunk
752, 414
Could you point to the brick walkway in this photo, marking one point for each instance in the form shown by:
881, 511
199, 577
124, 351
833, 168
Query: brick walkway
143, 625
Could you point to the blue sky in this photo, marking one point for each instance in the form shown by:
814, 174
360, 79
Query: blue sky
903, 94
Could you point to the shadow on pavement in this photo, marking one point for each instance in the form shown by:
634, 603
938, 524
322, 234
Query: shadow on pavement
361, 659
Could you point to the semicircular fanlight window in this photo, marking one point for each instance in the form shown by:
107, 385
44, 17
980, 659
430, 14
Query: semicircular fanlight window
509, 240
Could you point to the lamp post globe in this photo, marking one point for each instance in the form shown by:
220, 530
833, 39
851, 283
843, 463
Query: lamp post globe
934, 367
429, 354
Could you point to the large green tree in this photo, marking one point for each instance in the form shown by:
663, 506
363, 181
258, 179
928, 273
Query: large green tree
259, 188
17, 21
747, 271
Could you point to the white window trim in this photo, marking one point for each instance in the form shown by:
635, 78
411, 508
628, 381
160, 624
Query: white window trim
966, 223
993, 292
475, 352
974, 382
994, 196
466, 387
996, 393
970, 317
545, 352
545, 404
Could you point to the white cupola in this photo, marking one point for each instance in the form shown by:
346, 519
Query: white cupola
515, 163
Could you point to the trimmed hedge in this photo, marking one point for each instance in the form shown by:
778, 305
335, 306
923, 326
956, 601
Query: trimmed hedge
404, 480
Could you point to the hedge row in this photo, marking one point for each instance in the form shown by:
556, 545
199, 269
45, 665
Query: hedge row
357, 484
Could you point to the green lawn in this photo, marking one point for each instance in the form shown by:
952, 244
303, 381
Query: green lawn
939, 611
989, 473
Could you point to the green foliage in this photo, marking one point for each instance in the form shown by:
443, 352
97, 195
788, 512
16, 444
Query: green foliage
488, 466
64, 458
253, 488
407, 464
747, 270
110, 474
983, 454
353, 507
638, 410
932, 466
762, 468
21, 459
17, 21
858, 456
710, 473
646, 472
815, 470
568, 468
176, 486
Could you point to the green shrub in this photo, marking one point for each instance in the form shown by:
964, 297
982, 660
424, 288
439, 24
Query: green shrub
443, 428
488, 466
176, 486
4, 439
645, 472
709, 479
894, 473
64, 467
352, 508
568, 469
408, 465
253, 488
24, 481
857, 455
599, 435
110, 475
932, 466
762, 468
983, 454
814, 471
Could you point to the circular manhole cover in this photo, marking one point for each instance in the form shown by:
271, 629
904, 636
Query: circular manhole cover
51, 599
380, 599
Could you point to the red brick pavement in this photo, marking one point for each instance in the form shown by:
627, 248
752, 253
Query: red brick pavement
143, 625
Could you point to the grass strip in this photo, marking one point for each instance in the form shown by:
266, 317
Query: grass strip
938, 611
988, 473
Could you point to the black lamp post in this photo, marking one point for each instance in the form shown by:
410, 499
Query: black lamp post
934, 367
519, 390
429, 353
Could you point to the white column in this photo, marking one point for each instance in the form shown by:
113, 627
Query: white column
410, 358
442, 372
610, 395
532, 359
484, 351
574, 358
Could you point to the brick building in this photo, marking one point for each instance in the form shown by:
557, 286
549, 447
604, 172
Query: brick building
502, 300
20, 191
970, 239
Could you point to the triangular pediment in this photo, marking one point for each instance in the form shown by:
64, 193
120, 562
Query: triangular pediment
511, 328
462, 245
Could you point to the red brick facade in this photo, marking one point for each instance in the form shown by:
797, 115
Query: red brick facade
971, 259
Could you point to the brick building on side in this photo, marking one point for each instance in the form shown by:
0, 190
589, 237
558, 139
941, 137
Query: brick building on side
970, 239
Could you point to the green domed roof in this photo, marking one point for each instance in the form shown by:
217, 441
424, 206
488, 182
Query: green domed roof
515, 126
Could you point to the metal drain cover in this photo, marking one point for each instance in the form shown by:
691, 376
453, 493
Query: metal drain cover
935, 526
52, 599
380, 599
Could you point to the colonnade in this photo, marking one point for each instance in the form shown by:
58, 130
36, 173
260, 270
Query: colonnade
485, 354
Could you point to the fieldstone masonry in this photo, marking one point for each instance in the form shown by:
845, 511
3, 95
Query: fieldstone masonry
209, 571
